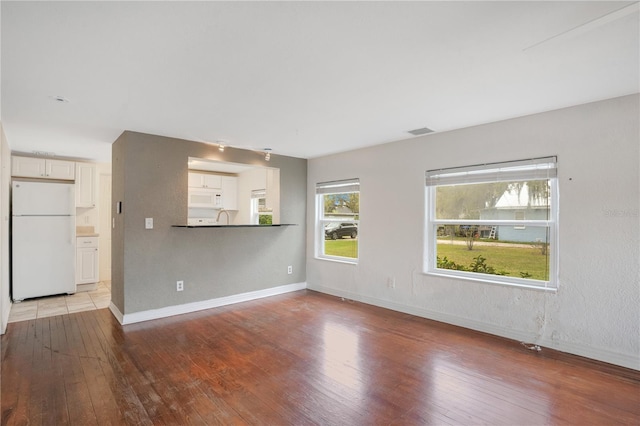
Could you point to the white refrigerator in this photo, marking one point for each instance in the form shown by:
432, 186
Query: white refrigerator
43, 239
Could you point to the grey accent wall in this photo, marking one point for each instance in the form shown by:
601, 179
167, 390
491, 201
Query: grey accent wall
150, 178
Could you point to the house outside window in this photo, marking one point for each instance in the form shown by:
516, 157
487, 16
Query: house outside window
494, 223
519, 215
338, 218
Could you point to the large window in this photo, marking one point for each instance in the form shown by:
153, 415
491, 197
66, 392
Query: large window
338, 216
494, 222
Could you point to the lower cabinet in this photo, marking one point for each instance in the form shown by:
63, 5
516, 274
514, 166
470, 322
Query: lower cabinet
87, 258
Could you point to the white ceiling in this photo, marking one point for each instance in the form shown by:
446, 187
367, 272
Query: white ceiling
303, 78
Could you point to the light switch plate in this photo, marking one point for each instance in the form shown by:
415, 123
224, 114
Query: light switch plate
148, 223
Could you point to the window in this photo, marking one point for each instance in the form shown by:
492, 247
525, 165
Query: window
519, 215
494, 222
260, 213
338, 216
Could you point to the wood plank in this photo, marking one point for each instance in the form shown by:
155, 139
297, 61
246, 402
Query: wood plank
299, 358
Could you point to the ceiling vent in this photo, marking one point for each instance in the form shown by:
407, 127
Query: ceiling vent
418, 132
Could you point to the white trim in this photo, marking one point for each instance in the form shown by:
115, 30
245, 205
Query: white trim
601, 354
338, 259
116, 312
169, 311
492, 279
5, 318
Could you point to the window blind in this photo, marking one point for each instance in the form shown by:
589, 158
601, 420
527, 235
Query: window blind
259, 193
338, 186
532, 169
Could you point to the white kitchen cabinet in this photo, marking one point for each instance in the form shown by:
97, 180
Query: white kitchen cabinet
85, 185
229, 192
87, 260
42, 168
58, 169
203, 180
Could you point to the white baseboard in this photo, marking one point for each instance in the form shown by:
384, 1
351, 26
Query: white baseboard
201, 305
5, 318
116, 312
86, 287
600, 354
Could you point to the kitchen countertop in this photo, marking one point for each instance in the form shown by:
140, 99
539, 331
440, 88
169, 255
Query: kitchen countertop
86, 231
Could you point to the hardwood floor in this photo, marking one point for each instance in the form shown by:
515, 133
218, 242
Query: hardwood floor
296, 359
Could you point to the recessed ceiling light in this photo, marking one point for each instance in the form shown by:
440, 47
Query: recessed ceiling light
422, 131
61, 99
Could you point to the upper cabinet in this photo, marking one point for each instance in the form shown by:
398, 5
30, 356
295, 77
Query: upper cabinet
85, 185
203, 180
43, 168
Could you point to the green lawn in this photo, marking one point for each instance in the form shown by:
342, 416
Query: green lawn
513, 260
342, 247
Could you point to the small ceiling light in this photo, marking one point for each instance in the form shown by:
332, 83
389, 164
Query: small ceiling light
221, 147
60, 99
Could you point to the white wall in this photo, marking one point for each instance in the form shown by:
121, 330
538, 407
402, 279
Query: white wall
594, 313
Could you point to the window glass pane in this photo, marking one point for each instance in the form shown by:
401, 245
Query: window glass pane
513, 253
345, 205
341, 239
265, 219
341, 213
494, 201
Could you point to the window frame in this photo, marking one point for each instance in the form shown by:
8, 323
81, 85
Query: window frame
346, 186
538, 168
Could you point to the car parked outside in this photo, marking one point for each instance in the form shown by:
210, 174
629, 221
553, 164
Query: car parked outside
340, 230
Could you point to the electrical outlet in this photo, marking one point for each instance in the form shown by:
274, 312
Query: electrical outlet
148, 223
289, 270
179, 285
391, 282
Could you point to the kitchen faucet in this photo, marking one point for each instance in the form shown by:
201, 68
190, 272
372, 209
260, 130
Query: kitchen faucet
220, 212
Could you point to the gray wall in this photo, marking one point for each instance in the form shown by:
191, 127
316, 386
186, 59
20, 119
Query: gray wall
595, 309
5, 188
150, 177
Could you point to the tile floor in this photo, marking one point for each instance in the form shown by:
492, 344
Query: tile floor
60, 305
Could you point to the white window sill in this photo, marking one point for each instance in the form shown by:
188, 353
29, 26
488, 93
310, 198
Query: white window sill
338, 259
486, 279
